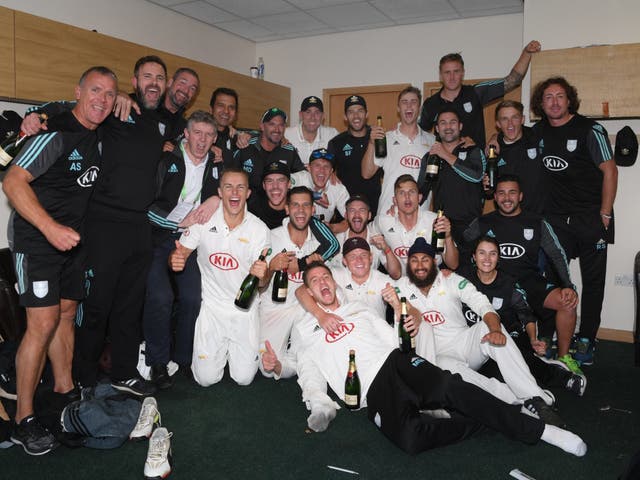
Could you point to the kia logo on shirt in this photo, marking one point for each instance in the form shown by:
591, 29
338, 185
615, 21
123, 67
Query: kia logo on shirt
295, 277
88, 178
555, 164
401, 252
433, 317
343, 330
511, 251
223, 261
410, 161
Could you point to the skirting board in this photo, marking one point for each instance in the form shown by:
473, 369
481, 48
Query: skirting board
615, 335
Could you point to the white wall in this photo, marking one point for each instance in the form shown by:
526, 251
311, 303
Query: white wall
490, 46
577, 23
148, 24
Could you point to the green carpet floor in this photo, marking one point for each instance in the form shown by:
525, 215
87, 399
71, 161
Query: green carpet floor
231, 432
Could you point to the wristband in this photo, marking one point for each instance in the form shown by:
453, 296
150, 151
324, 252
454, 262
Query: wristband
387, 250
604, 215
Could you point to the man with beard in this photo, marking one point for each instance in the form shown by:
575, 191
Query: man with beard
437, 299
267, 149
358, 217
348, 149
310, 134
521, 236
458, 190
49, 185
291, 243
406, 145
582, 180
415, 404
119, 246
185, 179
468, 100
410, 222
228, 246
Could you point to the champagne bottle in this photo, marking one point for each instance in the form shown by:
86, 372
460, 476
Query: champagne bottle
492, 168
248, 288
407, 343
437, 238
13, 143
380, 143
280, 285
434, 163
352, 384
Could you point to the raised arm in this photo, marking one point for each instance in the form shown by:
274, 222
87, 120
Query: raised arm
521, 66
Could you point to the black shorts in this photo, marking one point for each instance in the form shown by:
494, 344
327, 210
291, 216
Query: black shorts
537, 288
42, 280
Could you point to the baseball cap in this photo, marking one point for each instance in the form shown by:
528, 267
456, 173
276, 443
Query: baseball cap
311, 102
353, 243
277, 167
626, 149
354, 100
421, 246
323, 153
273, 112
358, 198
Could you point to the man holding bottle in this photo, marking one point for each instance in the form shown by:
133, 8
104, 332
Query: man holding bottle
228, 246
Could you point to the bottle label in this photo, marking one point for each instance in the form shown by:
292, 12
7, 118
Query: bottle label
351, 400
432, 169
5, 158
440, 243
282, 293
239, 295
413, 342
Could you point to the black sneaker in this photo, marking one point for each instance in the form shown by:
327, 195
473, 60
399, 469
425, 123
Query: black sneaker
34, 438
160, 376
136, 386
544, 412
577, 384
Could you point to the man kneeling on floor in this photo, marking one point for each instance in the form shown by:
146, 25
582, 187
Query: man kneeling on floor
398, 387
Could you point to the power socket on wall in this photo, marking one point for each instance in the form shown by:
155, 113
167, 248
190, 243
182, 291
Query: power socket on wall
623, 280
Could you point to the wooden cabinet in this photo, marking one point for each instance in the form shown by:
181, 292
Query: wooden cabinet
7, 59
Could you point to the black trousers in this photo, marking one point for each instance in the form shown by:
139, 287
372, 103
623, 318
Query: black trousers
119, 256
584, 237
407, 384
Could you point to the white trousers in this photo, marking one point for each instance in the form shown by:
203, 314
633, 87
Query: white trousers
276, 322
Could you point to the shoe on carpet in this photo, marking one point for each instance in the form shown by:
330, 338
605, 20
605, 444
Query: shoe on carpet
546, 413
158, 463
160, 377
148, 419
571, 364
136, 386
34, 438
577, 384
585, 351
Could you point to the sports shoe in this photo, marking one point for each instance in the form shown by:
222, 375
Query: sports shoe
8, 387
136, 386
160, 377
544, 412
158, 464
34, 438
576, 384
149, 418
571, 364
585, 351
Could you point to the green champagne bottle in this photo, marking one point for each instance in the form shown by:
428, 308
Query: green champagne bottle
280, 285
437, 238
248, 288
406, 343
352, 384
492, 169
380, 144
10, 147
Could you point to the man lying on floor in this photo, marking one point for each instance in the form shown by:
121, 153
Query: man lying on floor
415, 404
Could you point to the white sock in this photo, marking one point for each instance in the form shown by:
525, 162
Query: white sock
564, 439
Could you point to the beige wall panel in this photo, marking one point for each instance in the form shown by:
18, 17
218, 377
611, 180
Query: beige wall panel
7, 64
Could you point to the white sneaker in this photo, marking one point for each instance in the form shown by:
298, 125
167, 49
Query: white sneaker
148, 418
158, 464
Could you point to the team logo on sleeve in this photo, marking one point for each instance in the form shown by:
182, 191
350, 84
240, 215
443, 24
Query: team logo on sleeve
470, 316
497, 302
463, 283
410, 161
223, 261
433, 317
571, 145
343, 330
467, 107
88, 178
528, 233
532, 153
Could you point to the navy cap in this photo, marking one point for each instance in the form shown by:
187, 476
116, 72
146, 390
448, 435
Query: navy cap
353, 243
311, 102
354, 100
421, 246
277, 167
272, 113
626, 149
322, 153
358, 198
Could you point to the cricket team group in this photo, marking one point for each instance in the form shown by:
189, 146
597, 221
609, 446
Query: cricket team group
132, 222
